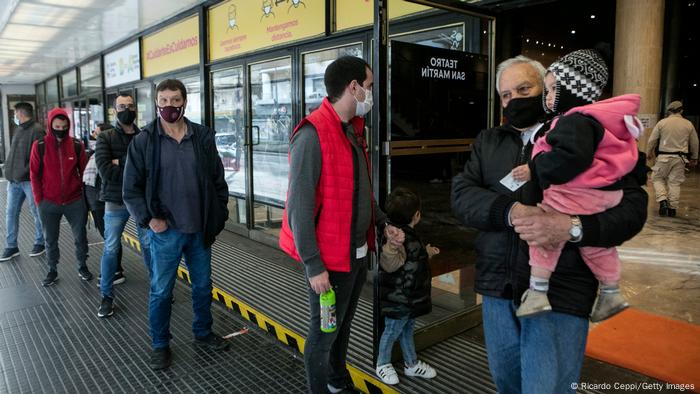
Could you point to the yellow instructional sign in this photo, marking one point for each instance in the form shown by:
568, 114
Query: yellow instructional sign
239, 26
172, 48
356, 13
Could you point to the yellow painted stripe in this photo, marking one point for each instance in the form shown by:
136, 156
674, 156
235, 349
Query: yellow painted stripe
361, 380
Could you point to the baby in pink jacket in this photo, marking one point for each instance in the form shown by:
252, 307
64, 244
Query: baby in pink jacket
578, 163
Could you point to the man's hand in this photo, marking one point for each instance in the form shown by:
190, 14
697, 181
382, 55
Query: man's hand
432, 250
522, 173
520, 211
692, 164
547, 229
115, 162
158, 225
320, 283
394, 235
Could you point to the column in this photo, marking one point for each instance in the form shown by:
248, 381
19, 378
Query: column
639, 29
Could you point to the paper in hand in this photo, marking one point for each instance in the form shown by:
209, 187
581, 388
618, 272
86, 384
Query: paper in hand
510, 182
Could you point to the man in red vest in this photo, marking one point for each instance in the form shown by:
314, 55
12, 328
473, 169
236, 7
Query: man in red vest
330, 215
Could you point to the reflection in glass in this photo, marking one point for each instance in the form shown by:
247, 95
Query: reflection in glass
145, 106
315, 64
271, 113
52, 92
229, 124
111, 112
90, 77
70, 84
193, 112
95, 115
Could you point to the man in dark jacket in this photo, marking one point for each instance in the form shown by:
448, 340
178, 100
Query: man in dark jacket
55, 169
18, 186
540, 354
110, 157
174, 185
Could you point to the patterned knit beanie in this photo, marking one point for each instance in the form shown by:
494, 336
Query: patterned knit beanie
580, 78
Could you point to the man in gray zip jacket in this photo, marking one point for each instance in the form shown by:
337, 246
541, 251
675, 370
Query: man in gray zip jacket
18, 186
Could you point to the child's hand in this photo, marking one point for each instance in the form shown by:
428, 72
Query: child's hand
394, 235
521, 173
432, 250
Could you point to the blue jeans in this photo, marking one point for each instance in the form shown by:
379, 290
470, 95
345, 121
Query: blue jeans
115, 221
541, 354
17, 192
403, 331
166, 250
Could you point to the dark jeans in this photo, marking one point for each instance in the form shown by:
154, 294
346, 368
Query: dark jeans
325, 353
167, 248
76, 214
97, 209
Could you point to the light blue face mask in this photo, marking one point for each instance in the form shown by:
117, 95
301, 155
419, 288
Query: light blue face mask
16, 120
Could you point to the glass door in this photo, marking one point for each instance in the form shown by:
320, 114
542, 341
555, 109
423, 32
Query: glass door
271, 126
228, 104
438, 103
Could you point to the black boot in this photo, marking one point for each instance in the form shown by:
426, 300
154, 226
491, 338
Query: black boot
663, 208
672, 212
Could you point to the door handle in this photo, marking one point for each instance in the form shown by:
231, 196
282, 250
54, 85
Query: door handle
258, 129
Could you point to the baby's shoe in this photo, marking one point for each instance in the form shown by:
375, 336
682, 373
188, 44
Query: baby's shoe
607, 305
421, 369
533, 303
387, 374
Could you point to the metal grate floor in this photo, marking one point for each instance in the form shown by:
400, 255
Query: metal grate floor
51, 340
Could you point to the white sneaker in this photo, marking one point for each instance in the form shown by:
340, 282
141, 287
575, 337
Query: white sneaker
421, 369
387, 374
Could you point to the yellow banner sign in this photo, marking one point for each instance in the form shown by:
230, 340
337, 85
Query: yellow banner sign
239, 26
356, 13
172, 48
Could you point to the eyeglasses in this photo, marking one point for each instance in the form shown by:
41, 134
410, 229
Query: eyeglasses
122, 107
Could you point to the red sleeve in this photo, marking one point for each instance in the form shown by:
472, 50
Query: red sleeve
34, 163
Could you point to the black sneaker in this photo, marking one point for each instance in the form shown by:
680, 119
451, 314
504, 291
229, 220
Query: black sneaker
9, 253
84, 273
51, 279
119, 278
161, 358
106, 309
663, 208
37, 250
212, 342
672, 212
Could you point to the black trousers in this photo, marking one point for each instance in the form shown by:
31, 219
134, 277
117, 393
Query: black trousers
325, 353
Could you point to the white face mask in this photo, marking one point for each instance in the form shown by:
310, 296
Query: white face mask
16, 120
363, 107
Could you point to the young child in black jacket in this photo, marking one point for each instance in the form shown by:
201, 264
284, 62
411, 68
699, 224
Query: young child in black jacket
405, 288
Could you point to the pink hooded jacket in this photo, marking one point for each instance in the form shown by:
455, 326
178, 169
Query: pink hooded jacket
617, 152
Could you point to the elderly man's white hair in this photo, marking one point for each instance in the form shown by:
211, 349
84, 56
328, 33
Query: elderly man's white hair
517, 60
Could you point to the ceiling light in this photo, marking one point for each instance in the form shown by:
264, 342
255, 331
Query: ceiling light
573, 31
527, 40
592, 16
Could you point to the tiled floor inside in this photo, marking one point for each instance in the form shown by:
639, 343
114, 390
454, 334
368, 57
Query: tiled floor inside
51, 340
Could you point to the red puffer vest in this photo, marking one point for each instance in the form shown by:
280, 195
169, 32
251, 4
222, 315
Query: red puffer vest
334, 192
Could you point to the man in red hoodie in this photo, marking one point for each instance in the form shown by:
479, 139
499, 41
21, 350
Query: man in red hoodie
55, 168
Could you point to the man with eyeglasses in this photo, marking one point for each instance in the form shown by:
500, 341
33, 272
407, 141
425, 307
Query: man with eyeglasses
110, 157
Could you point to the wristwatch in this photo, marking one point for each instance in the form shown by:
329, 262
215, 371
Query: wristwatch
576, 230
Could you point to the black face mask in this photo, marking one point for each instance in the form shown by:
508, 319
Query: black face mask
524, 112
60, 134
126, 117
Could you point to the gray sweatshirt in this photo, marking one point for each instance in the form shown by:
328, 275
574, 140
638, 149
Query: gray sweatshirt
17, 164
304, 173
